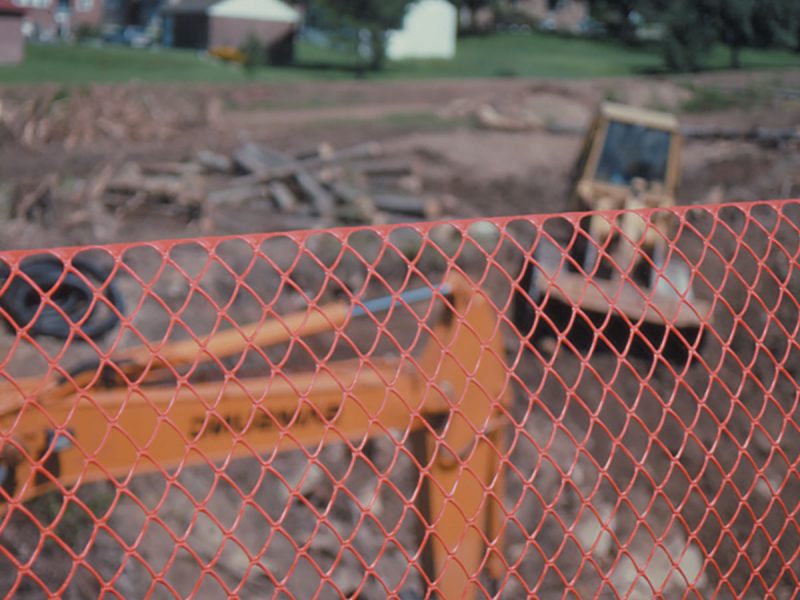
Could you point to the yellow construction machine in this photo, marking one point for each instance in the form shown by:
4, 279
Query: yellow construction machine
136, 411
612, 279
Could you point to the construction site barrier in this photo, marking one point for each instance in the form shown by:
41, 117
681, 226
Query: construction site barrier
494, 408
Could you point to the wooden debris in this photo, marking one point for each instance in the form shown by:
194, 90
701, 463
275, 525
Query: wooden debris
368, 150
323, 201
98, 185
212, 162
323, 150
235, 195
405, 204
33, 205
283, 197
357, 204
391, 167
317, 187
490, 118
259, 160
82, 116
400, 203
171, 168
264, 167
168, 188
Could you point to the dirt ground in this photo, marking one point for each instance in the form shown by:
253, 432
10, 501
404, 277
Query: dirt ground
605, 469
488, 173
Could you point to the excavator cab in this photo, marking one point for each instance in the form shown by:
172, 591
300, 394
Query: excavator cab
624, 148
617, 265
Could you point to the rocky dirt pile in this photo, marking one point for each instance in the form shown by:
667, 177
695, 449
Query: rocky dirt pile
81, 116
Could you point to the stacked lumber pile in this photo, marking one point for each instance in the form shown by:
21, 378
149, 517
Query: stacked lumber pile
322, 186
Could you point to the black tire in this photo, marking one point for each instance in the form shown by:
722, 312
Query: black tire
525, 299
536, 317
22, 301
580, 245
530, 312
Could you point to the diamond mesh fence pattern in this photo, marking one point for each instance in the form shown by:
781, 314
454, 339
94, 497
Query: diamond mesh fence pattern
594, 405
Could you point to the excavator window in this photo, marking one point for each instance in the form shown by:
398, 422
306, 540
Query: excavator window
632, 151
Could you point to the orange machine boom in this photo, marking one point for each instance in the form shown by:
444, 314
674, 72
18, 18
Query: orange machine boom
58, 435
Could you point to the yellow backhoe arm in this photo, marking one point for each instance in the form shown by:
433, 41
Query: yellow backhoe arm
452, 396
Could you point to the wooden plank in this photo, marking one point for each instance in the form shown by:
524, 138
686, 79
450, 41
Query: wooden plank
258, 159
236, 195
323, 201
616, 295
387, 167
262, 172
406, 183
358, 204
171, 168
213, 162
160, 186
25, 208
407, 204
322, 150
283, 197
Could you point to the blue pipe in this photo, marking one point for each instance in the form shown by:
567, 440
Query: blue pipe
378, 305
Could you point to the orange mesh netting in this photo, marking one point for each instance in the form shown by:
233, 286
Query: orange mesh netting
601, 406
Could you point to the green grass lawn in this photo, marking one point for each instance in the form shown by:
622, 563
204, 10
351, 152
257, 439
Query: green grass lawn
534, 55
501, 55
83, 64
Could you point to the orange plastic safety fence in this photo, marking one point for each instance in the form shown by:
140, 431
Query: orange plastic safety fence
597, 405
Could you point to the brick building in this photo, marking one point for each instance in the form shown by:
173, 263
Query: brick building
564, 15
210, 23
12, 44
50, 19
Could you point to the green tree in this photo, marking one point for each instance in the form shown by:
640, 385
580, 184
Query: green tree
688, 36
374, 16
777, 22
735, 23
254, 52
473, 6
616, 15
692, 27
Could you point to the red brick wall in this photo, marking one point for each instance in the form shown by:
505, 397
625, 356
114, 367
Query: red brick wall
44, 18
233, 32
567, 16
92, 16
11, 43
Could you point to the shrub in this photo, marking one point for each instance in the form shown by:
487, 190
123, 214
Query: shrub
254, 51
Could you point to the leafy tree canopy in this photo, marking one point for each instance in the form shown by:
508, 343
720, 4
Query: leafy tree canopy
374, 16
693, 27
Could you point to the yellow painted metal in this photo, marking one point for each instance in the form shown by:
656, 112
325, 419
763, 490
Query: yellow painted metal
624, 113
466, 374
593, 194
627, 237
66, 436
149, 358
229, 54
116, 433
637, 302
234, 341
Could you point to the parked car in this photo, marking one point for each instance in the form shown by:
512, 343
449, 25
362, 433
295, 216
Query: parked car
591, 28
131, 35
